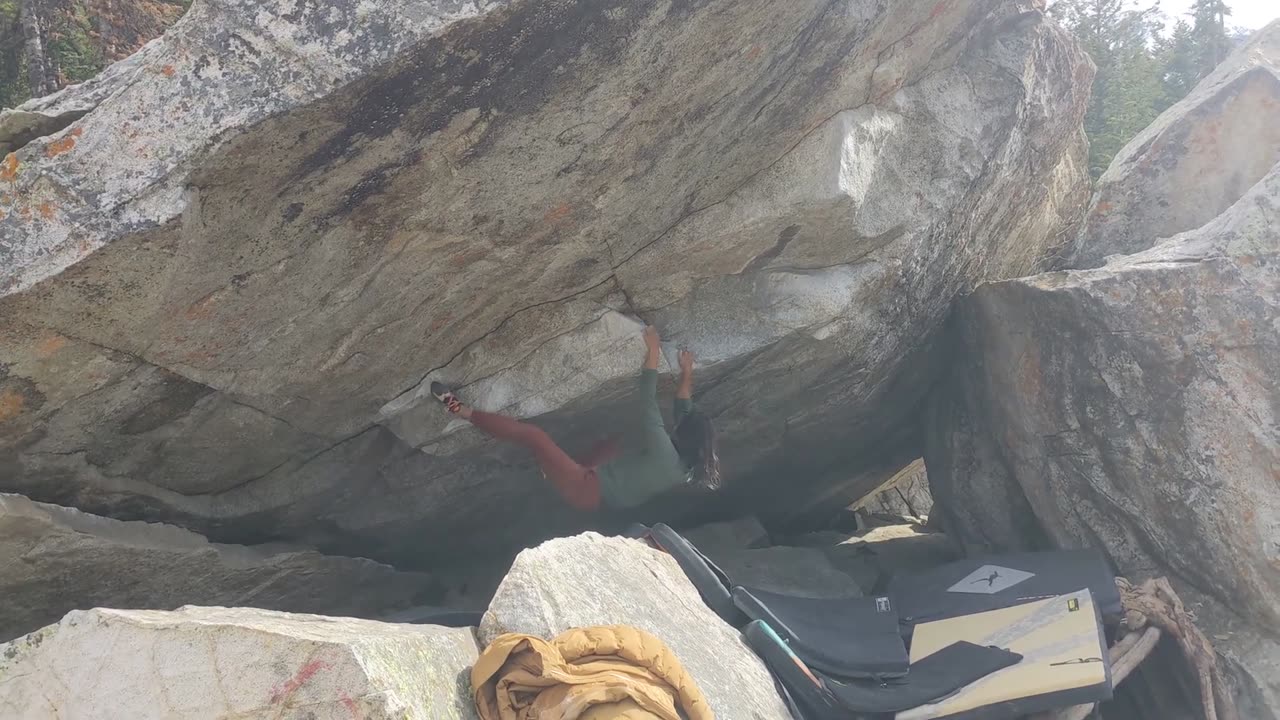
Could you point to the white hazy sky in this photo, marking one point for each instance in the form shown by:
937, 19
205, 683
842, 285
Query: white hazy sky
1251, 14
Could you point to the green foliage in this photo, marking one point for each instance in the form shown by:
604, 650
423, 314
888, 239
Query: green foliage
71, 46
13, 69
1140, 71
1210, 32
1181, 70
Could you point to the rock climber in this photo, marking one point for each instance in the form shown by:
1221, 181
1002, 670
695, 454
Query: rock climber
623, 471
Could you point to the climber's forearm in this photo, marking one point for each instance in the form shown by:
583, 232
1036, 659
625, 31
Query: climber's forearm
652, 356
684, 391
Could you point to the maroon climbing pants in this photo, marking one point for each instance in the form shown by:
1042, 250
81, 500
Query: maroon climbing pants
577, 483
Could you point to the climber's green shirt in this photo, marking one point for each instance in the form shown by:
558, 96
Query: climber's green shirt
649, 463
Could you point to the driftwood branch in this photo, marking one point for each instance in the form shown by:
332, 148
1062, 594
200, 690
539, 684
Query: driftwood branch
1155, 603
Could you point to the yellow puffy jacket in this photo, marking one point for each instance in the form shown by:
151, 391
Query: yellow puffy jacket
612, 672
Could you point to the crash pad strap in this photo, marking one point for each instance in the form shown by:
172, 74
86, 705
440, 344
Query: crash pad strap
711, 582
933, 677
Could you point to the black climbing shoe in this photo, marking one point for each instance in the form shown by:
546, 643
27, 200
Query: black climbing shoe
443, 394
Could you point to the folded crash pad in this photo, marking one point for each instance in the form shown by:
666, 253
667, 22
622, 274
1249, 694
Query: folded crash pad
711, 582
848, 637
824, 697
991, 582
845, 637
1063, 651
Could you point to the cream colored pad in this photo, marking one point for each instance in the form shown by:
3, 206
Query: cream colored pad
1064, 658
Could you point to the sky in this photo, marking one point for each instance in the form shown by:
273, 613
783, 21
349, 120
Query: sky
1251, 14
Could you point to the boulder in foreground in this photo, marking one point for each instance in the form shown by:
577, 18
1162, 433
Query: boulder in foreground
593, 580
208, 662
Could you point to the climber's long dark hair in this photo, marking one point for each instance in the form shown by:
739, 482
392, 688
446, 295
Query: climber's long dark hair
695, 439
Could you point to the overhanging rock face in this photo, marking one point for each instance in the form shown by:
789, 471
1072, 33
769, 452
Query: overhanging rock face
225, 287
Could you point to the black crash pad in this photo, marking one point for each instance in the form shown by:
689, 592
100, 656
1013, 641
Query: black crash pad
846, 637
991, 582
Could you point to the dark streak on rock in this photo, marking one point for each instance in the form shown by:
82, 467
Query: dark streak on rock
478, 64
31, 398
372, 184
784, 239
179, 396
45, 126
240, 42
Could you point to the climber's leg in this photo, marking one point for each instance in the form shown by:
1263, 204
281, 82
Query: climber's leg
580, 486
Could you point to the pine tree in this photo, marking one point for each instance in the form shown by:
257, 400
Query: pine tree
13, 68
1181, 63
1127, 88
1209, 29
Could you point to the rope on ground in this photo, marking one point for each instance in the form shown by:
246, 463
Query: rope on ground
1125, 656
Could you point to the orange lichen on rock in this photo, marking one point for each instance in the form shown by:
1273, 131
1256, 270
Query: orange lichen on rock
11, 405
49, 345
203, 307
558, 213
9, 167
63, 144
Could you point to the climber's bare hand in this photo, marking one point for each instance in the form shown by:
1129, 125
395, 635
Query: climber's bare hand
686, 361
651, 339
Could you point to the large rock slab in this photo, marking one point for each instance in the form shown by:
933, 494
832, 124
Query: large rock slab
1212, 146
1250, 659
893, 549
802, 571
225, 288
57, 559
210, 662
906, 494
1134, 407
738, 534
594, 580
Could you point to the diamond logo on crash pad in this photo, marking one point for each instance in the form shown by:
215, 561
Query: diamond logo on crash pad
989, 580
